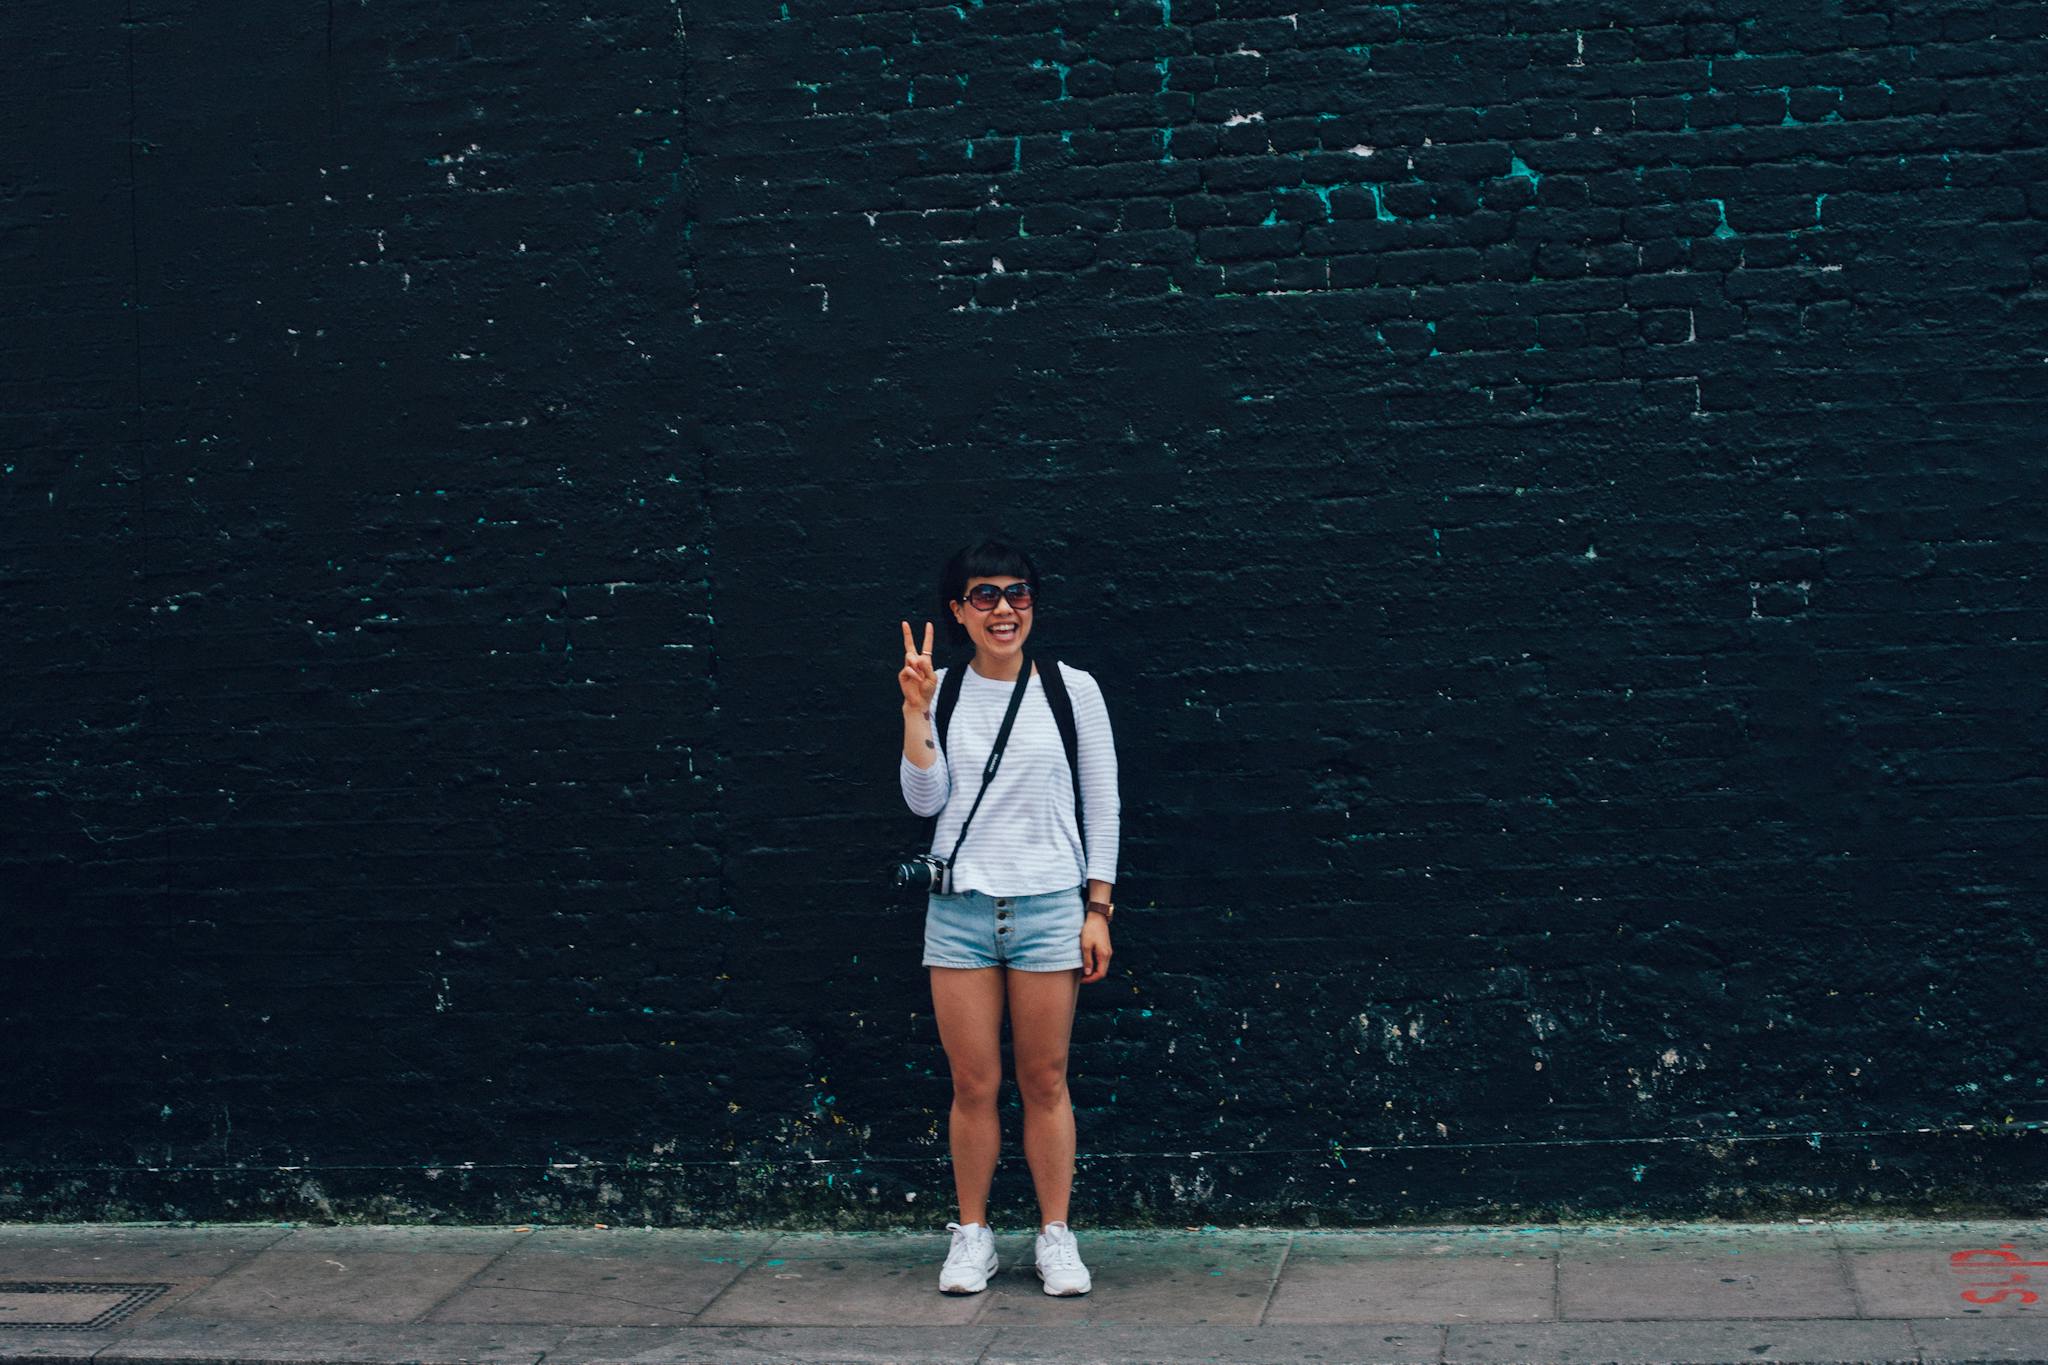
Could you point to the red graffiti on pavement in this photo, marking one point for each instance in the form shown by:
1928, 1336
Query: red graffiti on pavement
1989, 1261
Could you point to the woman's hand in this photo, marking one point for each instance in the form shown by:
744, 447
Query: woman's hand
1094, 948
918, 681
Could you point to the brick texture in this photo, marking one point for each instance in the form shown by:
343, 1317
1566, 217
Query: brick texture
1552, 493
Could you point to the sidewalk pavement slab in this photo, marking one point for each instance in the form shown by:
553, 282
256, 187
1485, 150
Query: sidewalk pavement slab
1489, 1275
1684, 1343
1960, 1340
1904, 1270
116, 1251
54, 1346
828, 1279
1743, 1271
1320, 1345
331, 1343
773, 1346
175, 1262
630, 1277
338, 1286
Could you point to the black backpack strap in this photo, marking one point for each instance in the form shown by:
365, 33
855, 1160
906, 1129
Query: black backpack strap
1063, 716
949, 692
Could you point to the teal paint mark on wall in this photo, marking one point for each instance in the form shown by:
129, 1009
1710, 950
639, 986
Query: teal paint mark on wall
1038, 63
1016, 153
1722, 230
1164, 66
1818, 200
1379, 206
1166, 144
1272, 218
1519, 167
1166, 13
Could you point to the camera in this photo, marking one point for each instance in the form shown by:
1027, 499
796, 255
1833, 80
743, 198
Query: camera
918, 875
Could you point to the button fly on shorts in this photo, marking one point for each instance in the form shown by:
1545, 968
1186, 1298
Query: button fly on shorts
957, 930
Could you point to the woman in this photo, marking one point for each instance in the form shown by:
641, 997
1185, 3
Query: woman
1024, 917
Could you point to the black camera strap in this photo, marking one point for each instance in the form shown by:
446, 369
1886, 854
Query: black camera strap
995, 755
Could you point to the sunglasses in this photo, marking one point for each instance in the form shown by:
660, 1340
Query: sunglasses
983, 596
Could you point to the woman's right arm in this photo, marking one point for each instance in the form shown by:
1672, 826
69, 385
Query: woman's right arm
926, 779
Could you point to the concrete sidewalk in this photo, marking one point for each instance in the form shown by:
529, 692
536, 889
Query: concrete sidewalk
1820, 1291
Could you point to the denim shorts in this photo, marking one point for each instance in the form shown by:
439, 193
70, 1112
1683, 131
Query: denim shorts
1030, 933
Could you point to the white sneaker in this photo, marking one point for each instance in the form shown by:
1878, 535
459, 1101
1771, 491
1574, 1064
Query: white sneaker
971, 1261
1059, 1262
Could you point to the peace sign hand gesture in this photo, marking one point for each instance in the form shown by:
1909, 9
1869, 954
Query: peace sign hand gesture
918, 681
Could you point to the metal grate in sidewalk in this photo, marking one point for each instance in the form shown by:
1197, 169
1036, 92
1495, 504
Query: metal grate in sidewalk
71, 1305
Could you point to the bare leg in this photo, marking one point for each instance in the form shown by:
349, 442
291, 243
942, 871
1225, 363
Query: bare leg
1041, 1023
968, 1004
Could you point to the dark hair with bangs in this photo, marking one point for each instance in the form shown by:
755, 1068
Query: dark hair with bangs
985, 558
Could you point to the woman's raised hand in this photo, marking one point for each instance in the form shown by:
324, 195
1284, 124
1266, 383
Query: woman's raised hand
918, 681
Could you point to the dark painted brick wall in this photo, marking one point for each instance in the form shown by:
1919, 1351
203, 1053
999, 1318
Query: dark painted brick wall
1552, 492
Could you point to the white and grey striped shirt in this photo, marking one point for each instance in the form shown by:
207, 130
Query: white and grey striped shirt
1024, 840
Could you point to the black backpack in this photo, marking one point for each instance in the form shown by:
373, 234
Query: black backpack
1062, 715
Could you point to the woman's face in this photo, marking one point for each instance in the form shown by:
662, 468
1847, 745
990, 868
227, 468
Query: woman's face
1000, 631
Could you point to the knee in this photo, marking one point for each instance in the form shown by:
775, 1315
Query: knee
1043, 1086
976, 1090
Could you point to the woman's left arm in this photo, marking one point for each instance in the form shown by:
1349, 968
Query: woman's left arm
1102, 808
1102, 812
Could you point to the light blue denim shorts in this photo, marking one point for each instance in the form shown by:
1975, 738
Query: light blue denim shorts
1031, 933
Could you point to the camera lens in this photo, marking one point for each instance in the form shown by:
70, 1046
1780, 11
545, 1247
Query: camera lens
922, 873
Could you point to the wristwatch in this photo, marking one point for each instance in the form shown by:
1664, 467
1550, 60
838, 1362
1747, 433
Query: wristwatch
1103, 908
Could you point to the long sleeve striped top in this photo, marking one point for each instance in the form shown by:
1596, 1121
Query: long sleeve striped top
1024, 840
